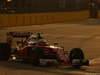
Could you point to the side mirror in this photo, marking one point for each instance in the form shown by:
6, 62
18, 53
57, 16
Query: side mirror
66, 52
55, 44
19, 42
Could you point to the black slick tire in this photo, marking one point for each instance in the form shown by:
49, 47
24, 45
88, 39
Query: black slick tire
76, 53
5, 51
36, 54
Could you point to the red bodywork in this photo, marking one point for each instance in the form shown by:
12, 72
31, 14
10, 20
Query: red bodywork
24, 50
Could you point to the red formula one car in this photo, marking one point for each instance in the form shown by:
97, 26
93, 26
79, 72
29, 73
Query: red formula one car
34, 49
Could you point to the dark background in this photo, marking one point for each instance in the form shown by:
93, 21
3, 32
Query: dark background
43, 6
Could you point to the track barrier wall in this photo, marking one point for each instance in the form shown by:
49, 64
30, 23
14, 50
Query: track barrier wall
12, 20
99, 14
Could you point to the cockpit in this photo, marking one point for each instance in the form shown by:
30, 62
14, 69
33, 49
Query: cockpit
34, 40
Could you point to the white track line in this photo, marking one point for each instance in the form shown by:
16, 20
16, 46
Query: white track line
95, 61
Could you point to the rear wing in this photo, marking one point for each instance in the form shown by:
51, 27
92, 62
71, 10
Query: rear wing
19, 34
11, 35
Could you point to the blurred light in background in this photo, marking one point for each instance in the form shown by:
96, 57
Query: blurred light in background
8, 0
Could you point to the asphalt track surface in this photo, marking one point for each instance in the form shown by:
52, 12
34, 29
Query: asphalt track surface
82, 34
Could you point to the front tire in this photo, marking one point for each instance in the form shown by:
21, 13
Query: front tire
36, 54
76, 53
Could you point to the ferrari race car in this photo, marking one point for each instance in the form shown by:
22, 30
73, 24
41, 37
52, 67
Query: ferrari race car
34, 49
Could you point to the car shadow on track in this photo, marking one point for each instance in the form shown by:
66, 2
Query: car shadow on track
63, 70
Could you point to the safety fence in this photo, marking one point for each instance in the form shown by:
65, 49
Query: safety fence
99, 14
12, 20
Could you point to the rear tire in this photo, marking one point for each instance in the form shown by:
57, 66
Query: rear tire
5, 51
36, 54
76, 53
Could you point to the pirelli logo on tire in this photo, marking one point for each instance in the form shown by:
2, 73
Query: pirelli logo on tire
62, 3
